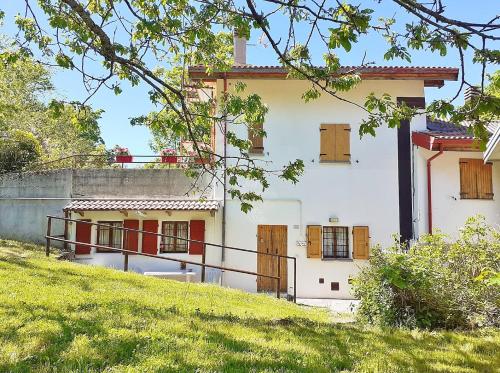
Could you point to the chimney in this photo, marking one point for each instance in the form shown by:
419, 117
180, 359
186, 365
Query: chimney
471, 92
239, 49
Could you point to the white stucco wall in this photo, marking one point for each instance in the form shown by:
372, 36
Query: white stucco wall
143, 264
362, 192
449, 212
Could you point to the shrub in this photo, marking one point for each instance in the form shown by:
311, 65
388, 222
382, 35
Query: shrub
434, 284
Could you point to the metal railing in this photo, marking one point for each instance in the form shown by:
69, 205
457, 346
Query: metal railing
106, 161
64, 238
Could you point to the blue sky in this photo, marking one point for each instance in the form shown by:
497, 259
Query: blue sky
134, 101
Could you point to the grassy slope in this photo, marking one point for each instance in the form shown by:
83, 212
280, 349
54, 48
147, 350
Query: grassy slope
59, 316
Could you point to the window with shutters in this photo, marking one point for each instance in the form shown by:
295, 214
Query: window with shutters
335, 242
256, 138
175, 230
476, 180
335, 143
110, 235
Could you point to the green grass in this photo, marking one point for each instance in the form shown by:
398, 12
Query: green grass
60, 316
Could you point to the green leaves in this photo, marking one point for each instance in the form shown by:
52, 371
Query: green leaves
64, 61
437, 283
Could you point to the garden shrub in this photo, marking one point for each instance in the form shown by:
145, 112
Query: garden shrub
435, 283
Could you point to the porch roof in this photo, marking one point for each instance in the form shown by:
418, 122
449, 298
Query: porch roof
446, 136
141, 204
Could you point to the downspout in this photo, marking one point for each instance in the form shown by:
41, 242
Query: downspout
223, 255
429, 187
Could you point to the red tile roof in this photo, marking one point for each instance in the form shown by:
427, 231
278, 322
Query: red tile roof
130, 204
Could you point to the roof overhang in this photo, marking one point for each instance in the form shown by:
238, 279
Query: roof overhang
141, 205
432, 76
430, 142
492, 152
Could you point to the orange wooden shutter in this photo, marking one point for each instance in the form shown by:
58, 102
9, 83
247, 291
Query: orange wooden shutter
131, 238
342, 143
485, 180
150, 241
468, 187
196, 232
314, 241
83, 233
327, 143
361, 242
255, 137
335, 143
476, 181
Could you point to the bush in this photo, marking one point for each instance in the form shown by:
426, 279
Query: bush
434, 284
17, 150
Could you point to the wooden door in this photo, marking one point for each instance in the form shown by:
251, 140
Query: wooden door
271, 239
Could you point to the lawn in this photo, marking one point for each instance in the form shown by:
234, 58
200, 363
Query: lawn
61, 316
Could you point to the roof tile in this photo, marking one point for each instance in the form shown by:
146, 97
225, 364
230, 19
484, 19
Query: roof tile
143, 204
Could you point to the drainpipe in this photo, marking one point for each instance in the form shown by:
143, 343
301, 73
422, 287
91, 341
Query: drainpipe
429, 187
223, 256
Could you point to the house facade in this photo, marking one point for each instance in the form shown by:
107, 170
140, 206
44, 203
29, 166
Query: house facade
355, 192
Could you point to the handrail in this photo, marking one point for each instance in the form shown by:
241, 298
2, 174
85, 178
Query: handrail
55, 238
126, 252
169, 236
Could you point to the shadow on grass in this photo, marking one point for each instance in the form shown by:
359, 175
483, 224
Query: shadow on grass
90, 333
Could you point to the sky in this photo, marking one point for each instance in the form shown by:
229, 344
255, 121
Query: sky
134, 101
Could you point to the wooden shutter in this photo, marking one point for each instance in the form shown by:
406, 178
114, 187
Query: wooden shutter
327, 143
335, 143
342, 143
83, 234
131, 238
361, 242
150, 241
314, 241
196, 232
485, 180
256, 139
476, 180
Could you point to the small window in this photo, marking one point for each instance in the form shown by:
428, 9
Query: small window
476, 181
109, 236
335, 242
175, 230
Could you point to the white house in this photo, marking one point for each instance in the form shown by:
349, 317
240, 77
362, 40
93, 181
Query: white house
355, 193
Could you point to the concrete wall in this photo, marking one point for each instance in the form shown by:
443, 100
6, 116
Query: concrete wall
26, 199
362, 192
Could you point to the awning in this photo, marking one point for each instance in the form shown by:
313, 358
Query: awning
141, 205
442, 135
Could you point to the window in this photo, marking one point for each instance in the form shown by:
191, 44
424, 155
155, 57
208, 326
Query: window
476, 180
256, 138
335, 143
109, 236
173, 244
335, 242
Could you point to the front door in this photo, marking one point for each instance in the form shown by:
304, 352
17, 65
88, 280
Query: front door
271, 239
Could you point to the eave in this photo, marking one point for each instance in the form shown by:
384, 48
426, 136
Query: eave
430, 142
432, 76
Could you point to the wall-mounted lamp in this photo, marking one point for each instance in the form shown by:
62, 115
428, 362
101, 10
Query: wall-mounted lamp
333, 219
